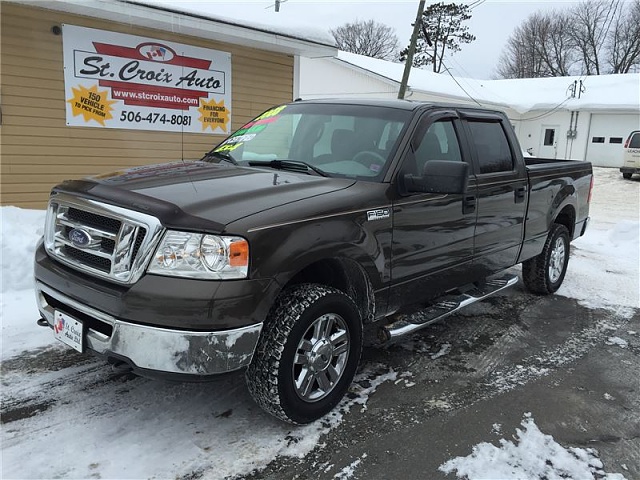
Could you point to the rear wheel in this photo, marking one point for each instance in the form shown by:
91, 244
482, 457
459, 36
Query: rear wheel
544, 274
307, 354
626, 176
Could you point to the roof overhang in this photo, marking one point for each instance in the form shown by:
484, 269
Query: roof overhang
413, 89
174, 21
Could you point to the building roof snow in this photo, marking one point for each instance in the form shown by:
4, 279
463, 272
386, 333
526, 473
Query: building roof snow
184, 19
599, 92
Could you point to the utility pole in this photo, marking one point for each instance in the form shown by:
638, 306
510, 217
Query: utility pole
277, 5
411, 52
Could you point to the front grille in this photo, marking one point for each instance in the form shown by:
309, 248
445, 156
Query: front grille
88, 259
92, 220
100, 239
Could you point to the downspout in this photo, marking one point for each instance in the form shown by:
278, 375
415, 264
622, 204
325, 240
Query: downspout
296, 77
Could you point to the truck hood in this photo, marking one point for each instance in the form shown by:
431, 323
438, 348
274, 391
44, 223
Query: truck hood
201, 195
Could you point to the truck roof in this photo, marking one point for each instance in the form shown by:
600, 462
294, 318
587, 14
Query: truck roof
393, 103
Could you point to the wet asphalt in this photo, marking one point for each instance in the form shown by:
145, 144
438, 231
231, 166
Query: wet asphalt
513, 354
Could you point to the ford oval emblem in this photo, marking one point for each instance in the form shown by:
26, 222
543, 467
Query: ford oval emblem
79, 237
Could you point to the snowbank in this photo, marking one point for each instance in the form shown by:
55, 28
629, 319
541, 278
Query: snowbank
532, 454
20, 231
603, 270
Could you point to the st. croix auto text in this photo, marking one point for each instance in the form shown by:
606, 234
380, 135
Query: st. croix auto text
137, 117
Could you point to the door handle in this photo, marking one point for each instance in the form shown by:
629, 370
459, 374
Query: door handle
520, 194
469, 204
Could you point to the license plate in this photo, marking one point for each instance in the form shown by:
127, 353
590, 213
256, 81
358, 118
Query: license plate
68, 330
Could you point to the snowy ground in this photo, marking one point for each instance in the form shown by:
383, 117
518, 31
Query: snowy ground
530, 455
65, 415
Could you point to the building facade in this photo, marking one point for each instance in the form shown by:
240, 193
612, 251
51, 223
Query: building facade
91, 86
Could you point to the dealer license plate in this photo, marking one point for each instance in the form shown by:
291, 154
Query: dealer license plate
68, 330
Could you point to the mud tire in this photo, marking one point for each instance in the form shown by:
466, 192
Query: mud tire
270, 376
536, 271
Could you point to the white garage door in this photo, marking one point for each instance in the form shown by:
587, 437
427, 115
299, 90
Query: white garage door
607, 135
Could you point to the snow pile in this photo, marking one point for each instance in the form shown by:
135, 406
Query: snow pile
604, 267
532, 455
20, 231
604, 270
617, 341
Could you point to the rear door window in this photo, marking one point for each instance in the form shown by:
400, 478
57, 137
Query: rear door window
635, 140
492, 147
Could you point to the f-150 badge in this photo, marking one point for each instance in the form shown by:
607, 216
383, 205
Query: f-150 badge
379, 214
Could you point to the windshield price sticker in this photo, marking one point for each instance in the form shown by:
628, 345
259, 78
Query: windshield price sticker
249, 131
113, 80
68, 330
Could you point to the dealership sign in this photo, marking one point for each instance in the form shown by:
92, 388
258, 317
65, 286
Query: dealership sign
114, 80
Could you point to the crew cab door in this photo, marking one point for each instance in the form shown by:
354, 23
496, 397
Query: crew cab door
432, 232
501, 189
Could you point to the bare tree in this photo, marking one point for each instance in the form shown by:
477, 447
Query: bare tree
540, 47
589, 29
592, 37
368, 38
623, 44
443, 31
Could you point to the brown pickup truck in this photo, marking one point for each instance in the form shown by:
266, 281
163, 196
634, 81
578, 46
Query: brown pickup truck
315, 226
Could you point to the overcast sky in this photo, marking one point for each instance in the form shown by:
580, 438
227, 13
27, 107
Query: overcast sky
492, 21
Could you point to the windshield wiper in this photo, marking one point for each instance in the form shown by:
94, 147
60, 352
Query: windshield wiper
221, 155
292, 165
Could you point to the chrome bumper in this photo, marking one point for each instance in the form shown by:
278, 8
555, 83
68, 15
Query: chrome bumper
160, 349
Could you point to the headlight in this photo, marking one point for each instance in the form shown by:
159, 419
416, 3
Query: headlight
196, 255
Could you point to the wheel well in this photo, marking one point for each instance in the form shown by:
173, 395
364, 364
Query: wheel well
345, 275
567, 217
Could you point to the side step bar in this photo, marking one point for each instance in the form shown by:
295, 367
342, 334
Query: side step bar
447, 306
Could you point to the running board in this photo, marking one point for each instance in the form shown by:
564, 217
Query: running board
447, 305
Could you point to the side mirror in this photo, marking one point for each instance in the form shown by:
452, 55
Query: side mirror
439, 176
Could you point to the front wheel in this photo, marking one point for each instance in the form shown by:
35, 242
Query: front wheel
544, 274
307, 355
626, 176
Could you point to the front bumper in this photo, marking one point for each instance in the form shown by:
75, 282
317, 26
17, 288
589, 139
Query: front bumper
631, 170
146, 348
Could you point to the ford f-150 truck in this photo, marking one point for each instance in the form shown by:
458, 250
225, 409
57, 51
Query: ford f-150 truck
316, 227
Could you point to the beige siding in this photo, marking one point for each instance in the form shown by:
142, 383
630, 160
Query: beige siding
38, 149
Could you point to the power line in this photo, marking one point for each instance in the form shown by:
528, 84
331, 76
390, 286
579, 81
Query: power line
475, 4
548, 112
458, 66
458, 83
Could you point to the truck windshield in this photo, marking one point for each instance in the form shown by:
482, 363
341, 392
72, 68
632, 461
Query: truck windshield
355, 141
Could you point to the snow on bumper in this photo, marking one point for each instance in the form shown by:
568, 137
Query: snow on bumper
157, 349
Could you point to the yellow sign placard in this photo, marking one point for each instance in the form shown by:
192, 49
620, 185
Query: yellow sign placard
91, 103
214, 115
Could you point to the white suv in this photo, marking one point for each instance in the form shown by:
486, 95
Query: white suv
631, 163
